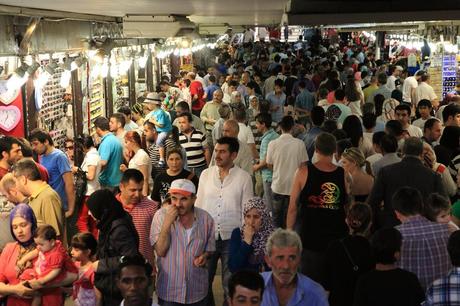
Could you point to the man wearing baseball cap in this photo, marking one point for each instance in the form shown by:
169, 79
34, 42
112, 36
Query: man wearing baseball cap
183, 237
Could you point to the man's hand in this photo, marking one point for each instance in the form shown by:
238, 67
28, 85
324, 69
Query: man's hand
171, 215
200, 261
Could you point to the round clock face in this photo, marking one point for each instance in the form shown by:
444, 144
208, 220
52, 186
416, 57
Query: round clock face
9, 117
8, 96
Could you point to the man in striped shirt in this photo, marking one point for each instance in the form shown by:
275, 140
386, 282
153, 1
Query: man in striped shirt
140, 208
183, 238
195, 144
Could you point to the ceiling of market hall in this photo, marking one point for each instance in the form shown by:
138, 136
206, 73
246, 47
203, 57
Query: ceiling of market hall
260, 12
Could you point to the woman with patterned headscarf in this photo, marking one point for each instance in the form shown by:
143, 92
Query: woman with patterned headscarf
247, 244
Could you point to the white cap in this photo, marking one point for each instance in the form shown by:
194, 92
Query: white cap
182, 186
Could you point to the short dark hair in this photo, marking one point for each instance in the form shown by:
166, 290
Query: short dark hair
248, 279
339, 94
424, 103
265, 119
317, 115
287, 123
41, 136
407, 201
394, 127
175, 150
252, 85
382, 78
279, 82
84, 241
413, 146
239, 114
329, 126
28, 168
326, 144
369, 120
125, 110
377, 136
453, 248
450, 110
26, 148
86, 141
403, 107
430, 123
231, 142
388, 143
212, 79
186, 114
6, 143
183, 105
120, 118
102, 123
384, 244
150, 125
46, 232
132, 174
136, 260
434, 205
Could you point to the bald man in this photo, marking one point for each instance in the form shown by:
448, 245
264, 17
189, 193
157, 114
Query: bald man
244, 158
9, 189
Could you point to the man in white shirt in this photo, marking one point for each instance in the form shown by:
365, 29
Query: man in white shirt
245, 134
395, 73
425, 91
409, 86
402, 114
284, 155
222, 191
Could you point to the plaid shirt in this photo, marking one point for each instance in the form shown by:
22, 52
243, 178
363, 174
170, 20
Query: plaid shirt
424, 249
445, 291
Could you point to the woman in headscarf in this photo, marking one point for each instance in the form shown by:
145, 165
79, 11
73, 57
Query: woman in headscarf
117, 238
253, 109
23, 226
247, 244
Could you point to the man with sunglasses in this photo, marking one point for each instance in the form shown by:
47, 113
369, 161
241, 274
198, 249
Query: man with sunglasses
134, 276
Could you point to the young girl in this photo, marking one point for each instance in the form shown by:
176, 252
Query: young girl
438, 209
50, 266
84, 247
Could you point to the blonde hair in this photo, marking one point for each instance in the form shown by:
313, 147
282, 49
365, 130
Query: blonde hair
355, 155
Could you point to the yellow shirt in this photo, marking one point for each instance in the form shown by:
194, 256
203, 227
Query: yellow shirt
369, 90
47, 207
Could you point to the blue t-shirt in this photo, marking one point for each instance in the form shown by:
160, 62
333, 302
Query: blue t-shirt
162, 118
111, 151
277, 101
210, 91
57, 164
305, 100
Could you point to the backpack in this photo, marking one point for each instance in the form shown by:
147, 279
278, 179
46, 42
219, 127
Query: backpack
80, 181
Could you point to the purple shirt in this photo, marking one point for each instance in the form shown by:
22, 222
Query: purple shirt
424, 249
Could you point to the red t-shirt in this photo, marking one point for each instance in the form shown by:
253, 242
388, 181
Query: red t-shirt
3, 172
196, 88
43, 172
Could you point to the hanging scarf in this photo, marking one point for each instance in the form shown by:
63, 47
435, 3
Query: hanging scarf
105, 208
266, 228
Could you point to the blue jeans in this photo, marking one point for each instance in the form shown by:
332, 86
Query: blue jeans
222, 252
280, 206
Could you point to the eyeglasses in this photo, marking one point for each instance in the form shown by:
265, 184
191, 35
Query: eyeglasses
69, 148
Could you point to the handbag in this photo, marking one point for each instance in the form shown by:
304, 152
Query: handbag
355, 266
